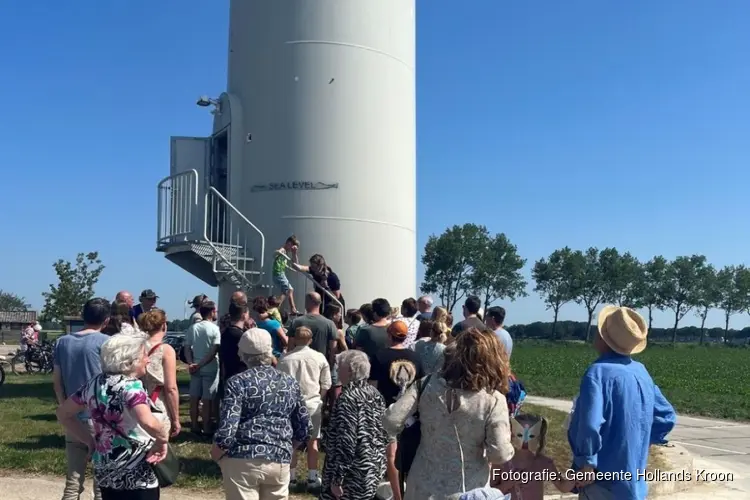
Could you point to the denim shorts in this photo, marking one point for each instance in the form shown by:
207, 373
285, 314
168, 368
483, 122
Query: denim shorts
204, 386
282, 282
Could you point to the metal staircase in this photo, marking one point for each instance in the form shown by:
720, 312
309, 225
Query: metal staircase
207, 235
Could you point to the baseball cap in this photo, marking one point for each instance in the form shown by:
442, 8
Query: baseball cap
255, 341
148, 294
398, 329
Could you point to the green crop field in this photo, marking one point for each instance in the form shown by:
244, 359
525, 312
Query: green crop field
712, 381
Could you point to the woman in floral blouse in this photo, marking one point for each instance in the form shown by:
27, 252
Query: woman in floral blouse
128, 438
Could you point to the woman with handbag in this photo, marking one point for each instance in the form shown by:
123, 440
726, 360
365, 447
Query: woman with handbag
463, 419
161, 373
128, 441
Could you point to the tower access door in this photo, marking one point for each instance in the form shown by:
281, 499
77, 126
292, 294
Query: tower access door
218, 178
184, 193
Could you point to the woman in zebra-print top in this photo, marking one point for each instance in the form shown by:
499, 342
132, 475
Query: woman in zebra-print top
355, 439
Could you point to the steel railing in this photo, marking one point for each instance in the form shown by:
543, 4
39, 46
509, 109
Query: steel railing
177, 202
229, 233
316, 287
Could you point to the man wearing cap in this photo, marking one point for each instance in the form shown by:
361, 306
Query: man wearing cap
147, 302
619, 411
394, 369
263, 417
201, 347
196, 304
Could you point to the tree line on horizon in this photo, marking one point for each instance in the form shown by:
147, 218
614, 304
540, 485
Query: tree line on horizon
469, 260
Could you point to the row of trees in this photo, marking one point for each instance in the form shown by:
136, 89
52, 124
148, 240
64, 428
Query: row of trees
469, 260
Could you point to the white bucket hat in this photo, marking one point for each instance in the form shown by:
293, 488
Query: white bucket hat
255, 341
623, 330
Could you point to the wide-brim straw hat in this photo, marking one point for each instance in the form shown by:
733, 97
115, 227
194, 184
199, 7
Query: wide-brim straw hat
623, 330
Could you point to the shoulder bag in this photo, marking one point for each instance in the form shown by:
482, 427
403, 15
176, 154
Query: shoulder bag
410, 437
168, 469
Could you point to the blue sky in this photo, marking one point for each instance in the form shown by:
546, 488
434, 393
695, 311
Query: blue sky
579, 123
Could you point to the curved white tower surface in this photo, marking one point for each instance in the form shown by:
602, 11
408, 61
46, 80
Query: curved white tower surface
321, 96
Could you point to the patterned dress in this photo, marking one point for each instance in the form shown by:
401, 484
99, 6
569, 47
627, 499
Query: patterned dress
355, 443
431, 353
121, 444
462, 432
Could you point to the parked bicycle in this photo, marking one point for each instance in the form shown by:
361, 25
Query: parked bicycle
38, 358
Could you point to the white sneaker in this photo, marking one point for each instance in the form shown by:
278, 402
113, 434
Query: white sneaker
314, 483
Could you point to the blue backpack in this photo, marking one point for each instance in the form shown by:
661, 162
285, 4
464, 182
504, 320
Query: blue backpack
515, 396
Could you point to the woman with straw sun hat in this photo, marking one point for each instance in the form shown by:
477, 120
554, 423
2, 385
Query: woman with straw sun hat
619, 411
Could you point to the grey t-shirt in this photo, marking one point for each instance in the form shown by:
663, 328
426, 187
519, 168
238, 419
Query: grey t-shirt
77, 357
323, 330
471, 322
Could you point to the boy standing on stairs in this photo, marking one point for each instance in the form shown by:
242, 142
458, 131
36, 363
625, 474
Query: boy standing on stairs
280, 264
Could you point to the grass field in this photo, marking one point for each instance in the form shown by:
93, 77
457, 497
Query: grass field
710, 381
32, 441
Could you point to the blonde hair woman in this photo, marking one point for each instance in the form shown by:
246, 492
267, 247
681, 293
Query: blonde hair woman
440, 315
430, 351
161, 373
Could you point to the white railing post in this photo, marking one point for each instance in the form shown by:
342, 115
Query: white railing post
177, 199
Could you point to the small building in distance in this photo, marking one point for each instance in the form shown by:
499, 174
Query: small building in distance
73, 324
12, 322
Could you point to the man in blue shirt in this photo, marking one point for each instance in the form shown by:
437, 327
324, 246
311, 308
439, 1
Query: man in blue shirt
619, 412
147, 301
77, 360
494, 319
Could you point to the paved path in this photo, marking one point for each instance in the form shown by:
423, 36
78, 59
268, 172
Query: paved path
50, 488
720, 446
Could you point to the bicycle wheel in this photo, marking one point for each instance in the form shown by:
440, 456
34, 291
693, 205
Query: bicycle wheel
48, 364
34, 365
16, 362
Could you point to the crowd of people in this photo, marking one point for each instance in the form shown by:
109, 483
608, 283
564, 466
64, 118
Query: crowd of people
396, 394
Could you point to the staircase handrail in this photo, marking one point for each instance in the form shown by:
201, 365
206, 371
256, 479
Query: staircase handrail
193, 173
315, 283
218, 253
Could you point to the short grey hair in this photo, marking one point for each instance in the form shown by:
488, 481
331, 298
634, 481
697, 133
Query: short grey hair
252, 360
425, 299
121, 353
358, 363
